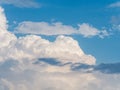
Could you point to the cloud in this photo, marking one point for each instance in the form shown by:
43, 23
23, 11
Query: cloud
42, 76
5, 36
114, 5
33, 63
3, 20
21, 3
58, 28
88, 31
64, 49
45, 28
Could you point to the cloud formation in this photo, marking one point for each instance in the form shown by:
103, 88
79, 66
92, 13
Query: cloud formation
26, 75
21, 3
59, 28
33, 63
5, 36
64, 49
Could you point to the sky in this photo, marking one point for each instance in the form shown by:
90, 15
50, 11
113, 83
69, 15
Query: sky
102, 15
44, 45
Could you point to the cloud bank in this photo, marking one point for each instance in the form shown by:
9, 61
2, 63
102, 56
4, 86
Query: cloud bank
58, 28
30, 75
21, 3
34, 63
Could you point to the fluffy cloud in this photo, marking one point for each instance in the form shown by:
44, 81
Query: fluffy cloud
114, 5
5, 36
33, 63
64, 49
58, 28
20, 3
3, 21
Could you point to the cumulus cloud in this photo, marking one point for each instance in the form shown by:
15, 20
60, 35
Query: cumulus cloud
3, 21
20, 3
59, 28
34, 63
5, 36
114, 5
64, 49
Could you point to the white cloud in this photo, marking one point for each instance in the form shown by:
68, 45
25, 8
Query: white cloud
88, 31
64, 49
45, 28
3, 21
20, 3
58, 28
18, 72
5, 36
114, 5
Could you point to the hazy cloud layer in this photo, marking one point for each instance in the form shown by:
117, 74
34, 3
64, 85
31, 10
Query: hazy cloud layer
21, 3
25, 75
33, 63
59, 28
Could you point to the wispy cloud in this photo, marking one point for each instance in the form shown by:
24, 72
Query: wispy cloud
58, 28
114, 5
21, 3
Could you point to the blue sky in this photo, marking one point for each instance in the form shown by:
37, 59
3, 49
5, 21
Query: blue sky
98, 14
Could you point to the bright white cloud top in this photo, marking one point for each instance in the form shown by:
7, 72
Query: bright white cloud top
33, 63
5, 36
